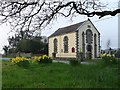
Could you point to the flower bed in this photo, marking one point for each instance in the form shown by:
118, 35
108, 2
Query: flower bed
42, 59
109, 59
24, 62
21, 61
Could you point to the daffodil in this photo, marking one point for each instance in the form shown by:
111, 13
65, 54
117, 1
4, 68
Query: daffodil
19, 59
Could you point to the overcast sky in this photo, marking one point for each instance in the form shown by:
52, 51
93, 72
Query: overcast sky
107, 26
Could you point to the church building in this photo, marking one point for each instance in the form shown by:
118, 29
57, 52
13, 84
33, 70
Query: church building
70, 41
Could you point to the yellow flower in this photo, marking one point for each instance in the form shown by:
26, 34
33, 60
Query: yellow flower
35, 57
39, 58
19, 59
108, 55
43, 57
33, 61
49, 57
113, 55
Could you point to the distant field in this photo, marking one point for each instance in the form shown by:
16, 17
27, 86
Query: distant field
59, 75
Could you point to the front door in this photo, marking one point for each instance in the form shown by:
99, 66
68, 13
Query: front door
89, 51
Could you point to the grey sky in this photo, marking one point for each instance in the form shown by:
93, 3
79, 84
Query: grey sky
107, 26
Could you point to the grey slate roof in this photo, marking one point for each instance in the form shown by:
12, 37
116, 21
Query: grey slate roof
68, 29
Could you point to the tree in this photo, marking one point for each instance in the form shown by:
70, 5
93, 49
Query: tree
13, 41
34, 15
108, 43
5, 48
31, 46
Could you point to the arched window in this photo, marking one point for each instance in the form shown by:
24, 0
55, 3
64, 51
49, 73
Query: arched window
95, 39
83, 40
55, 45
65, 44
89, 36
83, 44
95, 45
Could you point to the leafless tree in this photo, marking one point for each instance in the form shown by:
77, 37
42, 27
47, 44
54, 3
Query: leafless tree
36, 14
108, 43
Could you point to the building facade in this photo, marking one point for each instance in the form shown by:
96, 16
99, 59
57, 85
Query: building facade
70, 41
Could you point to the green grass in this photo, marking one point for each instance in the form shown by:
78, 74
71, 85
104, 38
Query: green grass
59, 75
0, 74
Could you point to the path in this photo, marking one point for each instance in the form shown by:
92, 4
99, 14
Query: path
5, 58
67, 62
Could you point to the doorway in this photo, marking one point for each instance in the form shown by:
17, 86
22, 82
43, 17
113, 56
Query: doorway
89, 51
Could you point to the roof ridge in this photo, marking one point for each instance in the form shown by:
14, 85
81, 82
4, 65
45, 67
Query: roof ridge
70, 25
75, 23
67, 29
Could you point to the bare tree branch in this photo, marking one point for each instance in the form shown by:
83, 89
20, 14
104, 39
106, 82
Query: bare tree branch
35, 15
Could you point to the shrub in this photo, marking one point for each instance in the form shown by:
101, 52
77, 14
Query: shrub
74, 61
21, 61
42, 59
109, 59
117, 54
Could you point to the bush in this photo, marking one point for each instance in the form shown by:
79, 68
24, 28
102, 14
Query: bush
109, 59
24, 63
43, 59
74, 62
117, 54
21, 61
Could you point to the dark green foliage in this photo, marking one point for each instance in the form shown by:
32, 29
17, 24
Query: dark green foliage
27, 42
46, 60
24, 64
108, 60
117, 55
5, 48
30, 46
74, 61
43, 59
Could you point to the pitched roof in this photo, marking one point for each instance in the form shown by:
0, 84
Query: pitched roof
68, 29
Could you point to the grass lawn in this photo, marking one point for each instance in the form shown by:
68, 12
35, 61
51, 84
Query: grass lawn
0, 74
59, 75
